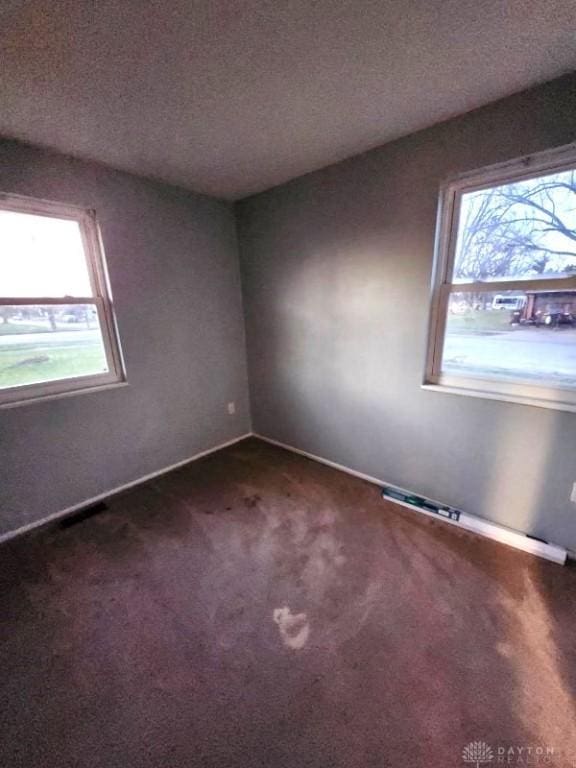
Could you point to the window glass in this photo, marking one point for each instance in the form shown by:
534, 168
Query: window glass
522, 230
521, 335
57, 330
40, 343
41, 256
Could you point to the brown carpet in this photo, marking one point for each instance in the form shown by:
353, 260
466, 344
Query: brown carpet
257, 609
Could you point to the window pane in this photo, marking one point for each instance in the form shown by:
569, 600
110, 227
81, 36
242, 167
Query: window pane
49, 342
515, 335
522, 230
41, 256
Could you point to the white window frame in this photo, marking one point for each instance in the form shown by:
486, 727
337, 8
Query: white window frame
520, 391
101, 298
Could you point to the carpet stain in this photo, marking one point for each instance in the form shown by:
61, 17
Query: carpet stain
255, 608
294, 628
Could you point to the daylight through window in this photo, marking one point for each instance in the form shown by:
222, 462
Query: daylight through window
56, 325
504, 305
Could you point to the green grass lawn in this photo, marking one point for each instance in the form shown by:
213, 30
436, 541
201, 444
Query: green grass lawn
33, 362
480, 320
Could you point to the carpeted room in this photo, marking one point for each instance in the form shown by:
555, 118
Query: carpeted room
198, 566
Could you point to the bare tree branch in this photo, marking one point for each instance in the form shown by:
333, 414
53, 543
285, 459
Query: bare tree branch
510, 230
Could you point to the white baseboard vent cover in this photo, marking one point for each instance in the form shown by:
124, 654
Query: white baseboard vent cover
444, 512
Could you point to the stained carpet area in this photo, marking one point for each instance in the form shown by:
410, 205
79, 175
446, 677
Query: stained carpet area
257, 609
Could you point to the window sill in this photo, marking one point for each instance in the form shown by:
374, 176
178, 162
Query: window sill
70, 393
538, 402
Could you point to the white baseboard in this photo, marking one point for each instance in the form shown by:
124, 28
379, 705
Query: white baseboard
94, 499
471, 523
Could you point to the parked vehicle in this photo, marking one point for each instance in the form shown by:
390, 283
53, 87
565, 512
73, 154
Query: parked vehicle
501, 301
549, 308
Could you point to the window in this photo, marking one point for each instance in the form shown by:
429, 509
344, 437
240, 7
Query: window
57, 332
503, 318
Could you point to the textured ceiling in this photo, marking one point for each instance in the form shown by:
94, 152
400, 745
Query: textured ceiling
230, 97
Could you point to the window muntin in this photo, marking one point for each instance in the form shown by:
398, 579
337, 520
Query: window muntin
57, 331
504, 296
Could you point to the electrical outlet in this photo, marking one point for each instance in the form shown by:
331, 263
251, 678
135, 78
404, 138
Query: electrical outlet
231, 408
573, 494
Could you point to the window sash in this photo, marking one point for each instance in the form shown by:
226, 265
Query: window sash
32, 391
100, 298
86, 219
447, 289
451, 192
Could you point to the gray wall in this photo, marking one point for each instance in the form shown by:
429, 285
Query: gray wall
172, 259
336, 273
